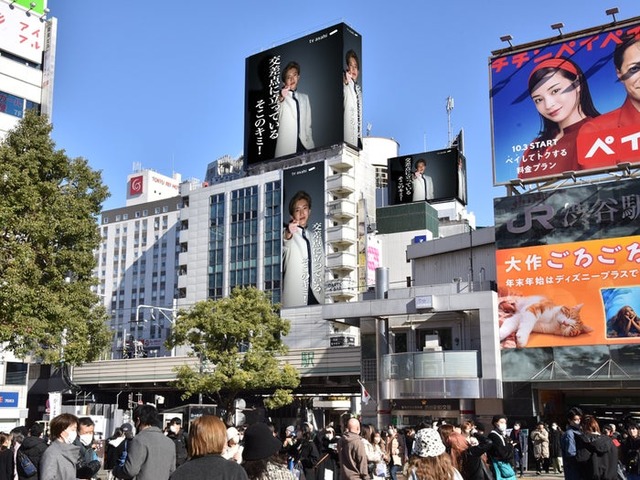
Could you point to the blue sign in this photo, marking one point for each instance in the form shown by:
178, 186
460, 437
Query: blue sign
8, 399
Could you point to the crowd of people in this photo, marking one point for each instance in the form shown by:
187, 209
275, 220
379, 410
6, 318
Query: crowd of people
586, 450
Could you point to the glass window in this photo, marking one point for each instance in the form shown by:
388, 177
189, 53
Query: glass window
16, 373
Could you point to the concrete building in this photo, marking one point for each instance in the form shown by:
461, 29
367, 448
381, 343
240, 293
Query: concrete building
136, 264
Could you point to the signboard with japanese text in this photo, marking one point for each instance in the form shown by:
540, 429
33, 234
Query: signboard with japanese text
304, 95
303, 244
568, 266
21, 34
565, 215
566, 104
570, 294
435, 176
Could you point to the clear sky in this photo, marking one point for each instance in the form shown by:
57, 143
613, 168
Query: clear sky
162, 83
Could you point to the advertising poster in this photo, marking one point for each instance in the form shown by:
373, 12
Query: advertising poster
435, 176
568, 266
304, 95
567, 104
303, 241
570, 294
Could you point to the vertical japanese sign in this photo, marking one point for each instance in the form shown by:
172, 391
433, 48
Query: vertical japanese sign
303, 248
303, 95
568, 266
435, 176
566, 104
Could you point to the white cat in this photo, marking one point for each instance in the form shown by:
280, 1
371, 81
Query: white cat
539, 314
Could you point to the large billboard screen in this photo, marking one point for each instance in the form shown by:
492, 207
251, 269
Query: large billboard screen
568, 266
303, 244
304, 95
568, 104
435, 176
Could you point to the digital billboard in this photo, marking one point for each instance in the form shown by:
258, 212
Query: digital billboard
303, 243
568, 266
304, 95
434, 176
566, 104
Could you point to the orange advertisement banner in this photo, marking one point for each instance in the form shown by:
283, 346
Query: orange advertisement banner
569, 294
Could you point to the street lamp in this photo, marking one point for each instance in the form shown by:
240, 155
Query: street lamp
162, 310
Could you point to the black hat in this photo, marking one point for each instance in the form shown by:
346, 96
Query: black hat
259, 442
126, 427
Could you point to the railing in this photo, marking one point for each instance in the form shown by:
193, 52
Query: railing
425, 365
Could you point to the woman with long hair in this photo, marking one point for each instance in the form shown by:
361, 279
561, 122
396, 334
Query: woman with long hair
429, 459
560, 93
207, 439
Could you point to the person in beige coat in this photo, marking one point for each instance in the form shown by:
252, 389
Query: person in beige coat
540, 440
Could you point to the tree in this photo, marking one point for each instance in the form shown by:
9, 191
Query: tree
48, 233
237, 340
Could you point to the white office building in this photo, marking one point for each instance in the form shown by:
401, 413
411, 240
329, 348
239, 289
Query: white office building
136, 264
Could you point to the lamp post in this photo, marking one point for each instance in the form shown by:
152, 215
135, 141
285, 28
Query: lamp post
162, 310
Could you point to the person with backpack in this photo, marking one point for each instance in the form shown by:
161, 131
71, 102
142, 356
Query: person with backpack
33, 446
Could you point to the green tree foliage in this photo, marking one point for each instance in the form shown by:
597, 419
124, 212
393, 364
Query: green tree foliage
237, 340
48, 233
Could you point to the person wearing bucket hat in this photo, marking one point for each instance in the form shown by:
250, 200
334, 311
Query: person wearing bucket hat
261, 455
430, 459
207, 439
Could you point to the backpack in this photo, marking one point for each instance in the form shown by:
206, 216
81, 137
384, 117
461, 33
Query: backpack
24, 465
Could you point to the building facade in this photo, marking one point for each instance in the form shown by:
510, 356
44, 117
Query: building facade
136, 264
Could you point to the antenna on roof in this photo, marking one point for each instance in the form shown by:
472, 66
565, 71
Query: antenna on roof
449, 108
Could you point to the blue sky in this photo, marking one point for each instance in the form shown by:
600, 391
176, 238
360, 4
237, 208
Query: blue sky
162, 83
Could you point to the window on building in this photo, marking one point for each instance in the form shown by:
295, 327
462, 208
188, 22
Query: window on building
16, 373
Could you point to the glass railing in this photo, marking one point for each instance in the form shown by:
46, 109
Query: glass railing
415, 365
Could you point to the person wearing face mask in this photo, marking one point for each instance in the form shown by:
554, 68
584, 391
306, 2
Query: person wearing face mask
520, 444
568, 444
328, 448
180, 439
555, 448
501, 452
59, 460
88, 463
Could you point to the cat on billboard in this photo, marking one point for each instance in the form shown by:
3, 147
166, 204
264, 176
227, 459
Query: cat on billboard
352, 93
302, 256
560, 93
623, 122
294, 131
